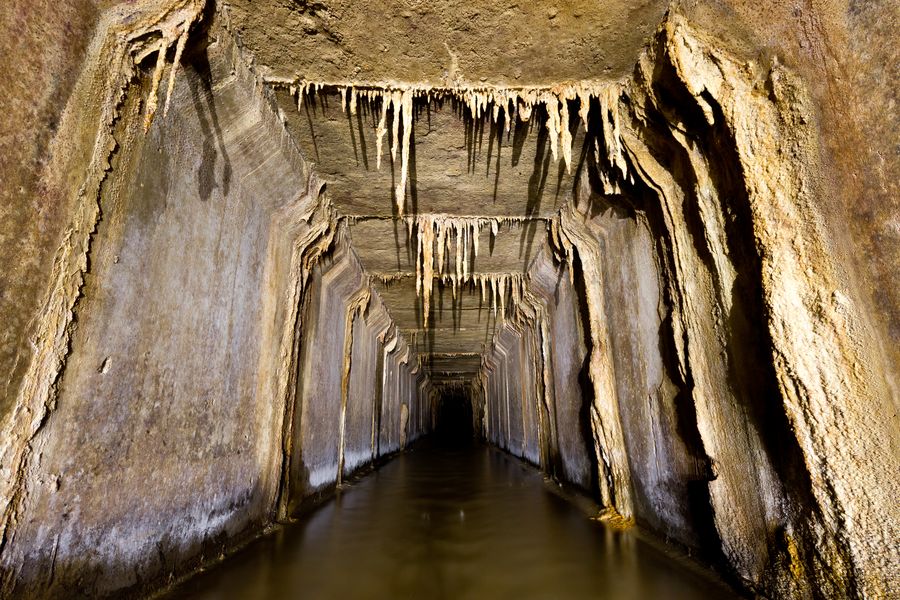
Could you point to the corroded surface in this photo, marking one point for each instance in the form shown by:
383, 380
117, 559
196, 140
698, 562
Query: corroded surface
190, 265
42, 47
447, 42
812, 356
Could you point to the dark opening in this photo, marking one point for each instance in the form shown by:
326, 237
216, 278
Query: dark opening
454, 416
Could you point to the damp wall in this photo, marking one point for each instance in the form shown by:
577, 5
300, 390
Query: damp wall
164, 443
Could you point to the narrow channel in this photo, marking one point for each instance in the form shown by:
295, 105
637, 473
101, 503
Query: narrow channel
452, 520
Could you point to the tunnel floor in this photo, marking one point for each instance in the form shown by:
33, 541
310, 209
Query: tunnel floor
448, 520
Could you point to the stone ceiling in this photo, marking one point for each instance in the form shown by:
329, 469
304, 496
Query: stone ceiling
458, 166
445, 42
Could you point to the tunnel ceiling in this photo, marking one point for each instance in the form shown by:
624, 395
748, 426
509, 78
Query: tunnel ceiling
445, 42
458, 166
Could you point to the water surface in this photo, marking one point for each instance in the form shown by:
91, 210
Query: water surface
451, 521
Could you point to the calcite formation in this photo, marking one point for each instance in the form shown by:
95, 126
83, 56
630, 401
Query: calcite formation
674, 329
502, 104
445, 246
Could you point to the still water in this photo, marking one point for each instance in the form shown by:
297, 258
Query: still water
451, 521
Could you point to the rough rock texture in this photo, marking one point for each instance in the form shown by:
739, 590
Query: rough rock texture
175, 357
42, 48
446, 43
656, 252
697, 141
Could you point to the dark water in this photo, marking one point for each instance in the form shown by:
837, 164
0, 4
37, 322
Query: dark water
451, 522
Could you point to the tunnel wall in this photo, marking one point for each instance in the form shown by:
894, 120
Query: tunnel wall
840, 50
152, 455
316, 461
534, 398
664, 463
727, 360
350, 413
162, 444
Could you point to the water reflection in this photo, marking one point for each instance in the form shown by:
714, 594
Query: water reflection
450, 522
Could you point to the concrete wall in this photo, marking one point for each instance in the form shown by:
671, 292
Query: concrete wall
342, 393
536, 404
162, 443
152, 454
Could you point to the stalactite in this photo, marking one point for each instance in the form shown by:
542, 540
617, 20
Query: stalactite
512, 103
179, 49
609, 110
153, 99
427, 241
173, 28
551, 104
381, 129
395, 97
565, 135
406, 110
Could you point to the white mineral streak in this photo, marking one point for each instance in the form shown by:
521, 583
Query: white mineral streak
392, 343
357, 306
152, 100
173, 27
406, 106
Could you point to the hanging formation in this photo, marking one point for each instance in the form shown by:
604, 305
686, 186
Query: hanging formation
446, 245
396, 104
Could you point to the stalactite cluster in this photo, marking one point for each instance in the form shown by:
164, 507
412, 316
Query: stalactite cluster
172, 27
502, 104
446, 246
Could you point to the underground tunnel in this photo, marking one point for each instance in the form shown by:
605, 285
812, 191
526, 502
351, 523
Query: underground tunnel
392, 298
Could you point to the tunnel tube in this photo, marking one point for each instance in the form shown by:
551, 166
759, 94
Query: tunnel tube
212, 355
